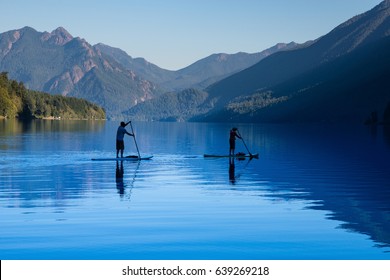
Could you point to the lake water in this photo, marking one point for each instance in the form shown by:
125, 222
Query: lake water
316, 192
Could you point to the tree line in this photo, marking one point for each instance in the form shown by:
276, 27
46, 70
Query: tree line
16, 101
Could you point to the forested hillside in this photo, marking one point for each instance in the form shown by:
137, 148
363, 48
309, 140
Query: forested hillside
350, 88
172, 106
18, 102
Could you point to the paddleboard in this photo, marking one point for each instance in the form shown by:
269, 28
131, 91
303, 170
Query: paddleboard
236, 156
131, 158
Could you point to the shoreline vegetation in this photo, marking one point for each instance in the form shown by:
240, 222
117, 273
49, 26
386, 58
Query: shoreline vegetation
16, 101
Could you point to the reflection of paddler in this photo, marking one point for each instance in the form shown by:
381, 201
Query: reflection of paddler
232, 167
119, 178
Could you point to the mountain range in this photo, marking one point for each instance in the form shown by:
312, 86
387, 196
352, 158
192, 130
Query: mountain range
341, 76
59, 63
198, 75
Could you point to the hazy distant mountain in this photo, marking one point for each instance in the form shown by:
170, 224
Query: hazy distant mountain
218, 66
199, 75
142, 67
263, 80
60, 64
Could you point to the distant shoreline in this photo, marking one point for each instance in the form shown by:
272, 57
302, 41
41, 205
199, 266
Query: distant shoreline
51, 119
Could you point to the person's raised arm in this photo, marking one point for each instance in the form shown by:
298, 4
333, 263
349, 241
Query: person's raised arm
128, 133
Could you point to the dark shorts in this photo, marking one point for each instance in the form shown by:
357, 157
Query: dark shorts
120, 144
232, 143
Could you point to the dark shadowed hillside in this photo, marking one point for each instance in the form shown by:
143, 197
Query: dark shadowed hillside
282, 66
348, 88
319, 70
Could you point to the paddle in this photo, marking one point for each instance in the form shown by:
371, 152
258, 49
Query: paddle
135, 141
244, 143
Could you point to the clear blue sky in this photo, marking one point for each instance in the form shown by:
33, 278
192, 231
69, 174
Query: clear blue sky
175, 33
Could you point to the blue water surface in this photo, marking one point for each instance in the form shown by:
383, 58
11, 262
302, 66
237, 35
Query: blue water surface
316, 192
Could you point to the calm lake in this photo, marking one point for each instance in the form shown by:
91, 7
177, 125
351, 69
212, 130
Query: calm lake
316, 192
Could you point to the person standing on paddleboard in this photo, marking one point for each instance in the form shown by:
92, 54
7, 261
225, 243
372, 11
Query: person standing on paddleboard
232, 140
120, 135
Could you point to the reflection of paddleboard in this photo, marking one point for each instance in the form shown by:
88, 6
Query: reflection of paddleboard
236, 156
132, 158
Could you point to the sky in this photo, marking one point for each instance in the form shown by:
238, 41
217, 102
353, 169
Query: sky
176, 33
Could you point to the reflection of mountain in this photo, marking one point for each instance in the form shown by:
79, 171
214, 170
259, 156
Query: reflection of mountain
40, 126
347, 174
363, 215
60, 185
55, 187
41, 161
364, 210
386, 134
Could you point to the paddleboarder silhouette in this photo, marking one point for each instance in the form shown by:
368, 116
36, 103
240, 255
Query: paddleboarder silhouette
232, 140
120, 134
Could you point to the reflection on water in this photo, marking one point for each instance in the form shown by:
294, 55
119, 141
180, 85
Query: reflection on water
233, 175
386, 134
232, 171
124, 188
14, 127
348, 175
316, 192
120, 185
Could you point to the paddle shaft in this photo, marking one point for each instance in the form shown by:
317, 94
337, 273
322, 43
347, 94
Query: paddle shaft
244, 143
135, 141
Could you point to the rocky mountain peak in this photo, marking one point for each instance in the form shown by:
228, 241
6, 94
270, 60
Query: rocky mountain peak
57, 37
